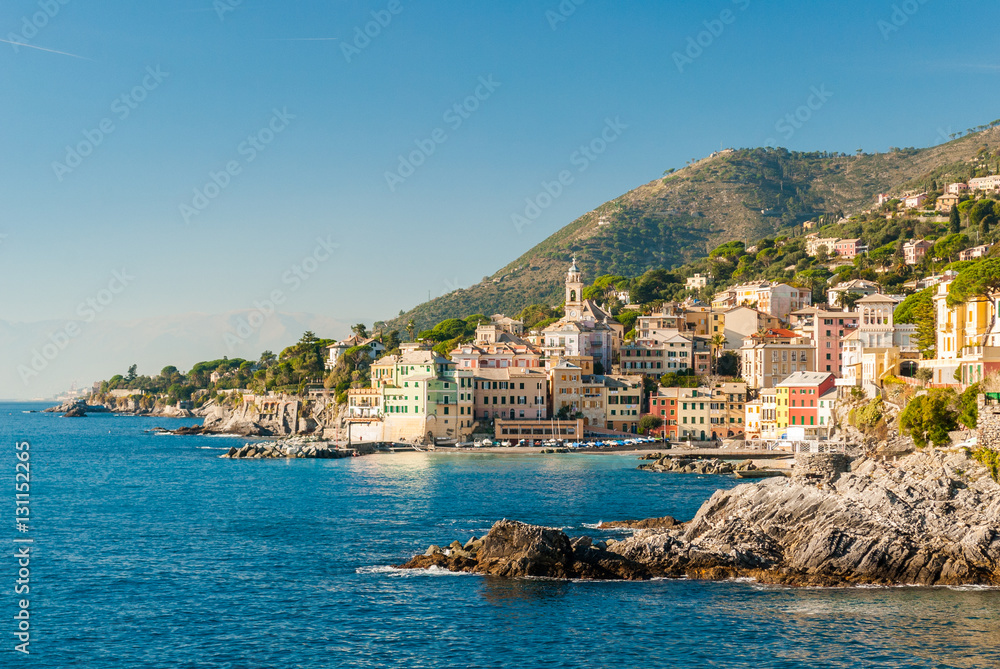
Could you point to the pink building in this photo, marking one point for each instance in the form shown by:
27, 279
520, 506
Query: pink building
500, 355
914, 201
914, 251
957, 189
827, 330
848, 248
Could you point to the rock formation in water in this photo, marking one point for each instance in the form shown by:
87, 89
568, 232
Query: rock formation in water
77, 407
928, 519
291, 448
681, 464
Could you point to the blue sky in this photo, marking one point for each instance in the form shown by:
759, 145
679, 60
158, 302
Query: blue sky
223, 76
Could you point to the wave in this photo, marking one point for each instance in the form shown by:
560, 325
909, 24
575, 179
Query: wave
409, 573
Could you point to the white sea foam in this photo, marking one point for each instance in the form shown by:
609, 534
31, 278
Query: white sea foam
407, 573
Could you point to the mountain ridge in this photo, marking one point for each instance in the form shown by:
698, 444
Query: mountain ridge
733, 194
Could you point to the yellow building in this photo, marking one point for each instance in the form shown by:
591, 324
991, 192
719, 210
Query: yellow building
968, 341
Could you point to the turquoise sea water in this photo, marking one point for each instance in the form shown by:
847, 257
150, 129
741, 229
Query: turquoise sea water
151, 551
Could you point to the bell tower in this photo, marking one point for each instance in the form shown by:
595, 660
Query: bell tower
574, 291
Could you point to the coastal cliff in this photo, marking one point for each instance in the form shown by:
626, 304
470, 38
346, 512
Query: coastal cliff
927, 519
251, 416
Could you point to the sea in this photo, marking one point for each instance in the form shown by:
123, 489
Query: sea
148, 550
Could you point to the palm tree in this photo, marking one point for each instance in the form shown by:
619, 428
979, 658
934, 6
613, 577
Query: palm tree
411, 328
849, 300
718, 341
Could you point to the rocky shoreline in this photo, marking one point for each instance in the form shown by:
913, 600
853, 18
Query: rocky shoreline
928, 519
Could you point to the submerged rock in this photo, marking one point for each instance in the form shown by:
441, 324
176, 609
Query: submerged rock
645, 524
928, 519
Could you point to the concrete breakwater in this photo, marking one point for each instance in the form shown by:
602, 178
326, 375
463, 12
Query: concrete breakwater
681, 464
291, 448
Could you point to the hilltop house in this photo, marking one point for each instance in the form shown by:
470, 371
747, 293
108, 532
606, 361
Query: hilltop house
990, 183
946, 202
975, 252
915, 250
858, 286
696, 282
375, 349
849, 248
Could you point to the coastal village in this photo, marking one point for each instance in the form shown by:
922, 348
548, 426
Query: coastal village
763, 361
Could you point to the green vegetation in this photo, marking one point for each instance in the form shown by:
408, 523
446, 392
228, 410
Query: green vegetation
928, 418
867, 416
681, 379
978, 280
990, 458
968, 408
648, 423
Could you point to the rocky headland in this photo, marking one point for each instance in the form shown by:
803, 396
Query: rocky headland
930, 518
77, 408
279, 416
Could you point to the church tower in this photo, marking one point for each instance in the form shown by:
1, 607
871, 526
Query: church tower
574, 292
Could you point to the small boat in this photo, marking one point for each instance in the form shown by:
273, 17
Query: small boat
759, 473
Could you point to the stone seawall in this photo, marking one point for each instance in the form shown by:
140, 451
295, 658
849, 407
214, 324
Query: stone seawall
988, 423
820, 467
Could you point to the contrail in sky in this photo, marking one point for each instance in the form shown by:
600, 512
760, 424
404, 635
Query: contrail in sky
32, 46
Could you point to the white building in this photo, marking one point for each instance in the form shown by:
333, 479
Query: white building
812, 246
859, 286
989, 183
376, 349
696, 282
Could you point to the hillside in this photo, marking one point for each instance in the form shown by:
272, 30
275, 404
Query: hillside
743, 194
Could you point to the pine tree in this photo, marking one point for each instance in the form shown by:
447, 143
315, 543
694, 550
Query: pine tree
955, 222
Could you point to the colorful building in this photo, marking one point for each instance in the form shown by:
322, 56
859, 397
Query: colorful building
798, 398
827, 330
